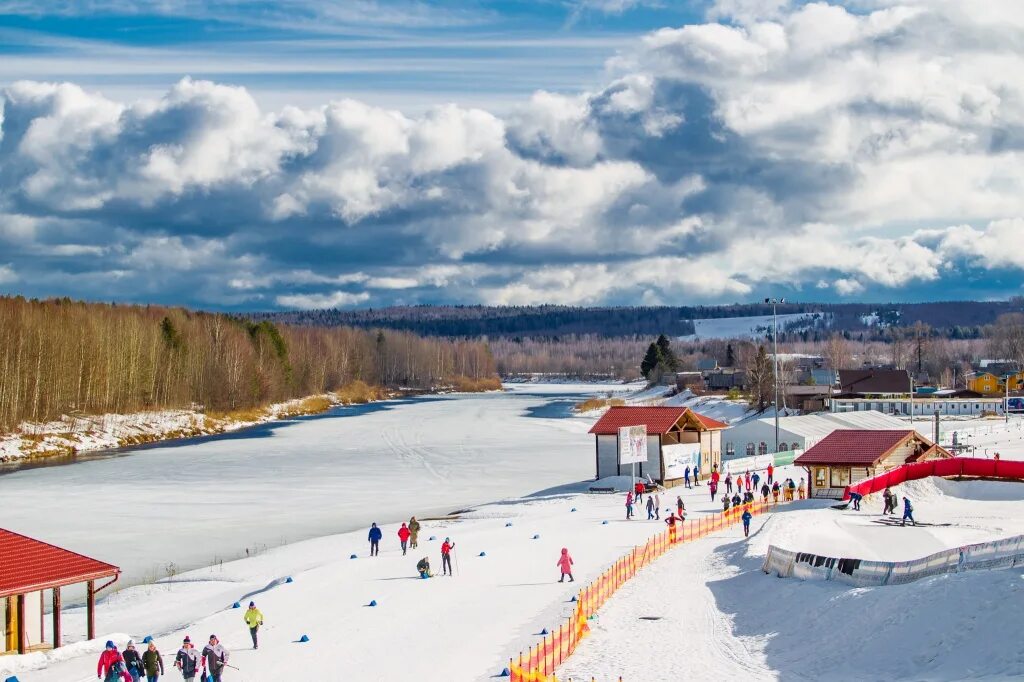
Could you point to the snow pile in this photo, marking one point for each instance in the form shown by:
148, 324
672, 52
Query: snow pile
714, 406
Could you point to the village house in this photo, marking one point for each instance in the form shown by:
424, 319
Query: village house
848, 456
677, 437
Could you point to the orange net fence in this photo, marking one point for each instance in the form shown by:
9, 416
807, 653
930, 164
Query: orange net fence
540, 662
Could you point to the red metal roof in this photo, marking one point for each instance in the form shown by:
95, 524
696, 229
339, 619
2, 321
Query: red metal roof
28, 565
860, 447
658, 420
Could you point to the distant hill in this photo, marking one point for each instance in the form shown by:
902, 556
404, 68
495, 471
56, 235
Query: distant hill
954, 319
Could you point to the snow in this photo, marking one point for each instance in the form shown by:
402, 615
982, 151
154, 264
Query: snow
714, 406
753, 327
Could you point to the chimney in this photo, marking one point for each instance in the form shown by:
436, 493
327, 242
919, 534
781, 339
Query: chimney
935, 432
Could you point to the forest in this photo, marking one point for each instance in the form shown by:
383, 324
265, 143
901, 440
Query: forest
67, 357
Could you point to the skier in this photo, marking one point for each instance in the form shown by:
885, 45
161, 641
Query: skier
187, 660
680, 507
629, 504
638, 488
564, 564
446, 557
132, 660
650, 508
215, 658
728, 483
686, 477
908, 512
153, 663
254, 619
110, 667
403, 537
713, 487
771, 472
414, 533
374, 538
856, 498
423, 566
657, 506
746, 522
775, 492
764, 492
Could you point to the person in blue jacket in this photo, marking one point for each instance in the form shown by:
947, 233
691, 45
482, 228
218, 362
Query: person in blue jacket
908, 512
375, 536
746, 522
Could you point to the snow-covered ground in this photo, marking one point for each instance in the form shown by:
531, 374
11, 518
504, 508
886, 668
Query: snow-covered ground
720, 617
753, 327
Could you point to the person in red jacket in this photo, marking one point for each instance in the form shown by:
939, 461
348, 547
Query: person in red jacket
446, 556
403, 536
771, 472
111, 667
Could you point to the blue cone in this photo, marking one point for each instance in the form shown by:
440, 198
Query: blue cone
236, 605
353, 556
573, 598
604, 523
573, 509
11, 679
304, 638
373, 602
483, 553
544, 632
288, 579
147, 639
508, 525
505, 672
431, 538
536, 537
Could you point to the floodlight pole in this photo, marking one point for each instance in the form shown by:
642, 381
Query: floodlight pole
775, 361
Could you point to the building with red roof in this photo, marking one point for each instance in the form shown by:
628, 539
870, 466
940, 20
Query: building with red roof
28, 568
677, 437
848, 456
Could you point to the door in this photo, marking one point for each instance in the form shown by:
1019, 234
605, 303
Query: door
11, 624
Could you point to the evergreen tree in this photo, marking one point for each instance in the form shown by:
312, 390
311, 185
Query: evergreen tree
666, 357
650, 361
730, 357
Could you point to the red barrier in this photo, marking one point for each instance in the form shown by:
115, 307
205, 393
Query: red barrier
955, 466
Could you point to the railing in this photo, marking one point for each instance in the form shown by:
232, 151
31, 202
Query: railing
540, 662
969, 467
785, 563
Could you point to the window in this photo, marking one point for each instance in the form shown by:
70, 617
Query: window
762, 449
729, 450
783, 446
750, 449
840, 477
819, 477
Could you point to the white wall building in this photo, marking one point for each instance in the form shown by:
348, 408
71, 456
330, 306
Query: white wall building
922, 406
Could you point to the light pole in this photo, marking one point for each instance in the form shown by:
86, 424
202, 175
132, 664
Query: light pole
775, 360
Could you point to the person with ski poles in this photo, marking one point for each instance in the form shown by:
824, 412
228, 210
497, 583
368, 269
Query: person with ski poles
132, 660
414, 533
187, 660
746, 522
215, 659
374, 538
908, 512
565, 562
254, 619
152, 663
111, 667
650, 508
403, 537
446, 557
629, 504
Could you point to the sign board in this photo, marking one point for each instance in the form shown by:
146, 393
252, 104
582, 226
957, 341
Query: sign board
678, 457
632, 444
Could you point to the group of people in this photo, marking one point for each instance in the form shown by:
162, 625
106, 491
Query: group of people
890, 501
423, 565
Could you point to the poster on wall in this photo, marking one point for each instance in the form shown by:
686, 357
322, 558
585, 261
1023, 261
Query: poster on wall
678, 457
632, 444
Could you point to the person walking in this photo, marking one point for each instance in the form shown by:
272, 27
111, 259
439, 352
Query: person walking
111, 667
771, 472
132, 661
657, 506
629, 504
215, 658
713, 488
650, 508
564, 564
686, 477
446, 557
725, 503
680, 507
671, 522
775, 492
746, 481
254, 619
746, 522
728, 483
187, 660
638, 489
755, 479
908, 512
414, 533
374, 538
790, 489
403, 537
152, 663
696, 475
423, 567
800, 488
765, 490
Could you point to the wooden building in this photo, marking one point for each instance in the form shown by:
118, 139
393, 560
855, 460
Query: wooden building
677, 437
28, 569
848, 456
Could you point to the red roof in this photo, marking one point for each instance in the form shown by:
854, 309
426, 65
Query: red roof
859, 447
28, 565
658, 420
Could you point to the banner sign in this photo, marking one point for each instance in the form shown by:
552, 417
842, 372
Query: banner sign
678, 457
632, 444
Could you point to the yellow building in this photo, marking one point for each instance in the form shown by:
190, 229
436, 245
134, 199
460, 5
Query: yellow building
984, 383
1016, 381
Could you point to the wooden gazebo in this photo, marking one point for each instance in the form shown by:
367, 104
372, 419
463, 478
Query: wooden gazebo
28, 568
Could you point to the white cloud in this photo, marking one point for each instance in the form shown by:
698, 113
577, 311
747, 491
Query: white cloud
336, 299
847, 287
7, 274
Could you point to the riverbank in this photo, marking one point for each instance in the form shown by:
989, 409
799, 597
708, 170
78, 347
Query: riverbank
73, 434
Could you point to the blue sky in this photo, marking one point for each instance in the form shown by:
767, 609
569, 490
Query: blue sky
252, 155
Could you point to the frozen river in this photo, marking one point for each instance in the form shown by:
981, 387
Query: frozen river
193, 503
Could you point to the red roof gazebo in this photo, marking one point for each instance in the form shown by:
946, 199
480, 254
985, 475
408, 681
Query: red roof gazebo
28, 567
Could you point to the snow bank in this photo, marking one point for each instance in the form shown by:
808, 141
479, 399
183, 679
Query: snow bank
714, 406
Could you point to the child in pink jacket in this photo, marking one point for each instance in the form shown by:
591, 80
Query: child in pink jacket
565, 564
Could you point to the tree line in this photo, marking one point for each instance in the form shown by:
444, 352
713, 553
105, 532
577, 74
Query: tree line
66, 357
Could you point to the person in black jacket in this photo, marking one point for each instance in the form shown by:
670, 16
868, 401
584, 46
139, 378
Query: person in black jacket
133, 661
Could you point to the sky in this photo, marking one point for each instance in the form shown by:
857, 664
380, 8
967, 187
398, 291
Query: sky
250, 155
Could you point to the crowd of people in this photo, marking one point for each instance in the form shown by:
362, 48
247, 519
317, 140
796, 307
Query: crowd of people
131, 666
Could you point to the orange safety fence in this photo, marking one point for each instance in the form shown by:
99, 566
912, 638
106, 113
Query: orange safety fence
539, 663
